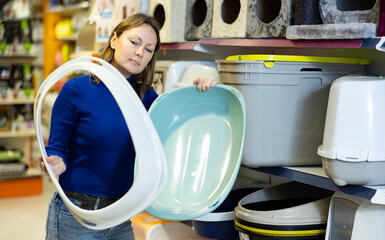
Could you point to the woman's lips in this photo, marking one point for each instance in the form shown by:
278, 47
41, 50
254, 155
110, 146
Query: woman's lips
135, 62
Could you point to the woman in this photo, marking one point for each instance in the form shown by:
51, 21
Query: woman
89, 145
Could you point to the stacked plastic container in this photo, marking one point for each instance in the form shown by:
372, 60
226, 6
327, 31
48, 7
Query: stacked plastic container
286, 100
292, 211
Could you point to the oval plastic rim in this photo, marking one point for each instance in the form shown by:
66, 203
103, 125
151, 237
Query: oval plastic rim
151, 165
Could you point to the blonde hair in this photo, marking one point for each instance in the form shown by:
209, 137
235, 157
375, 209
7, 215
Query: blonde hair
141, 82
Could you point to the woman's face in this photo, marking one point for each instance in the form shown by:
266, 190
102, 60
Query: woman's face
134, 49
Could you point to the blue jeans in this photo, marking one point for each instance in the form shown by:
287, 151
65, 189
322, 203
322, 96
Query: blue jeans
61, 225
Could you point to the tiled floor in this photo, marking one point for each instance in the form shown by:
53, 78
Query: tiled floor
23, 218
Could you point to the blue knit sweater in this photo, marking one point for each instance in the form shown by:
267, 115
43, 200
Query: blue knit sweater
89, 132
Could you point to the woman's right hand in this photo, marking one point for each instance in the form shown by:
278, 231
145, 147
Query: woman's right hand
57, 164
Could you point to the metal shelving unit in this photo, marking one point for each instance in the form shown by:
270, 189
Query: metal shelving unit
362, 48
315, 176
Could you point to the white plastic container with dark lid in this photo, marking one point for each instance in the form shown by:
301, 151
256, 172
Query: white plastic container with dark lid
286, 100
291, 211
353, 148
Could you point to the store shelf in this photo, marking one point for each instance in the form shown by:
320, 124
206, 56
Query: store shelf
71, 39
36, 15
17, 134
348, 43
202, 44
30, 173
316, 176
179, 46
28, 183
70, 9
17, 101
223, 47
17, 59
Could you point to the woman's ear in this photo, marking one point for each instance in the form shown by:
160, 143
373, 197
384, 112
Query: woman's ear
113, 41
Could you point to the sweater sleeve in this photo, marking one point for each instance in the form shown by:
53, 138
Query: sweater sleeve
63, 120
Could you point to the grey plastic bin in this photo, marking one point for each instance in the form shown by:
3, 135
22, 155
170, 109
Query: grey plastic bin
286, 100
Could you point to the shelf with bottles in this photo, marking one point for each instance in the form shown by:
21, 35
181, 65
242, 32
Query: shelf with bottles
62, 24
67, 8
29, 173
16, 120
21, 38
14, 181
17, 157
18, 83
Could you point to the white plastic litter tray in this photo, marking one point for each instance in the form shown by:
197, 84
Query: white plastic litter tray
168, 74
286, 99
290, 210
352, 218
353, 148
151, 174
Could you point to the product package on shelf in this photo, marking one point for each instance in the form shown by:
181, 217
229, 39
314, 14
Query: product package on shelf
4, 118
339, 20
11, 161
21, 82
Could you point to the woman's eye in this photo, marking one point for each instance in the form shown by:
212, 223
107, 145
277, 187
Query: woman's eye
133, 42
148, 50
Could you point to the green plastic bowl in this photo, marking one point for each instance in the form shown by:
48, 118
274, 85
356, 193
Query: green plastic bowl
202, 135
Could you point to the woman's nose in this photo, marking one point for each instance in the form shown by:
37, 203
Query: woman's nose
139, 51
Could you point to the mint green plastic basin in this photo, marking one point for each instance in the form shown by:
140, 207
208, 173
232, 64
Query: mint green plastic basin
202, 134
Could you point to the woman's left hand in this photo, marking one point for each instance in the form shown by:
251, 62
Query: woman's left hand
204, 84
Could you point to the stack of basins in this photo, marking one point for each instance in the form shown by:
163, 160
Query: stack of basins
291, 210
219, 224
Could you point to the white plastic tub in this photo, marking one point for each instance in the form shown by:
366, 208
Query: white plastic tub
353, 148
169, 74
292, 211
352, 218
286, 99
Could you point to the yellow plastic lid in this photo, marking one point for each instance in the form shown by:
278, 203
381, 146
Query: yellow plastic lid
292, 58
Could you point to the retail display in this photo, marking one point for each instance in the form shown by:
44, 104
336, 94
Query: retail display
171, 16
266, 19
352, 218
307, 12
353, 144
199, 17
333, 11
10, 154
172, 74
340, 20
20, 73
219, 224
332, 31
151, 167
287, 211
229, 19
199, 71
286, 99
202, 136
11, 161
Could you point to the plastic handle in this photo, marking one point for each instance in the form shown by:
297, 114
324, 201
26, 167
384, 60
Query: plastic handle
152, 172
